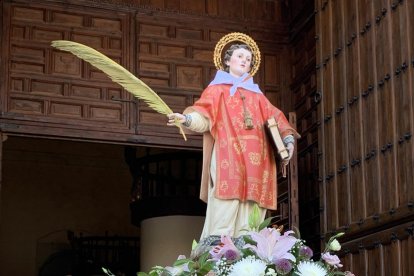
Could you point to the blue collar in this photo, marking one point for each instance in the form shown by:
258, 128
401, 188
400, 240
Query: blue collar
245, 81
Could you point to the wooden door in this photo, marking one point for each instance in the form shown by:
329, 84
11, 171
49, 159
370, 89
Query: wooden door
365, 78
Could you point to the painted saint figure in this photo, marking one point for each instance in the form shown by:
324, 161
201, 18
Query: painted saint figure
239, 167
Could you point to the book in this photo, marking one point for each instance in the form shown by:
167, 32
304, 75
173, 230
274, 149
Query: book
276, 139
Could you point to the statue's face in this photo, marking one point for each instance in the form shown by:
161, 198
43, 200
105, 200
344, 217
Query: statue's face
240, 62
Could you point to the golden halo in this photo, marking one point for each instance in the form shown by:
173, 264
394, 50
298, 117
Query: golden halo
231, 37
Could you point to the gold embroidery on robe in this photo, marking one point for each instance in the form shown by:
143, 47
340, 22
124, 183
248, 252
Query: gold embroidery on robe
255, 158
246, 168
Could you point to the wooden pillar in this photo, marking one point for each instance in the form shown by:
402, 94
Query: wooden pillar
3, 138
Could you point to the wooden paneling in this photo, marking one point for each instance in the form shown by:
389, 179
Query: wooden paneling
38, 75
306, 100
403, 91
287, 212
169, 65
365, 79
384, 253
386, 114
246, 10
169, 44
405, 190
339, 115
369, 107
353, 112
232, 9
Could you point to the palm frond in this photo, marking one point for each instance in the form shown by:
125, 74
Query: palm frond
118, 74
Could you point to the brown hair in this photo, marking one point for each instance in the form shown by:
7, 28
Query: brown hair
230, 51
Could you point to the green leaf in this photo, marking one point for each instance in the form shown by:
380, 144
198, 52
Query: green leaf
247, 252
249, 240
194, 245
205, 269
191, 266
204, 257
265, 223
181, 262
156, 270
338, 273
254, 217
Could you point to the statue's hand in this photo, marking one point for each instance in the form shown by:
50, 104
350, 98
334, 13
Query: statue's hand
291, 148
175, 118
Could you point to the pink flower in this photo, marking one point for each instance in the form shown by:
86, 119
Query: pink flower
226, 248
283, 266
271, 245
349, 273
305, 252
331, 260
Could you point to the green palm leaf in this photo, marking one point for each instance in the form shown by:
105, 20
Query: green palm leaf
118, 74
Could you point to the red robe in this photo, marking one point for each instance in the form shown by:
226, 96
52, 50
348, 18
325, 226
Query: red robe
246, 167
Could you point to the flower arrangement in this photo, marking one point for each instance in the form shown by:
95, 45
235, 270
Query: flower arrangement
263, 251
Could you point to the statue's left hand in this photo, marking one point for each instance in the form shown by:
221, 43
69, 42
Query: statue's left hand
291, 148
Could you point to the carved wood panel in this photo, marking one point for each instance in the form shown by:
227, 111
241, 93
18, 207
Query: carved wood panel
56, 87
50, 92
257, 10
